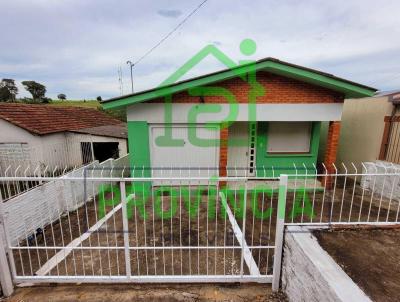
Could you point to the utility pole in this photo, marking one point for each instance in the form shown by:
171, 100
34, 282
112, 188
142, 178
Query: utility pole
131, 66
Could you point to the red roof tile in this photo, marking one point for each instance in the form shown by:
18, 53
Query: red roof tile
45, 119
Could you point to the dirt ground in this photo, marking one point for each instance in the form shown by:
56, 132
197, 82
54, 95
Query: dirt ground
370, 256
201, 231
165, 293
199, 244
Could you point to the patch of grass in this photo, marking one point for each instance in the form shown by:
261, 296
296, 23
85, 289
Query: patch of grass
78, 103
116, 113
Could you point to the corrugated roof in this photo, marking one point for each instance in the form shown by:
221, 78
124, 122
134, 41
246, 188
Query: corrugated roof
44, 119
119, 131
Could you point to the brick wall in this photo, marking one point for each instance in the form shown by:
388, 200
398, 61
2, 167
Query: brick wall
332, 143
223, 152
278, 89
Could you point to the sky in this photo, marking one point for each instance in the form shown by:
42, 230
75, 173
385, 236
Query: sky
77, 46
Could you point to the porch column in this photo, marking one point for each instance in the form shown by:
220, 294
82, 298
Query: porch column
332, 144
223, 152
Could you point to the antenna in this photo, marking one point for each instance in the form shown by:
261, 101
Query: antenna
121, 84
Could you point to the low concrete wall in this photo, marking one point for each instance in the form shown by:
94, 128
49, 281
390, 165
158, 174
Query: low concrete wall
389, 185
310, 274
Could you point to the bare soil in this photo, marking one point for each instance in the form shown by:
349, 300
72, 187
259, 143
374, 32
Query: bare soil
370, 256
199, 244
164, 293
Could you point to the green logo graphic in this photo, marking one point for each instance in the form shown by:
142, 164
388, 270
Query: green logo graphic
245, 70
164, 201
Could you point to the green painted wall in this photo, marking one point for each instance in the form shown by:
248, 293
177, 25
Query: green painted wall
283, 163
139, 148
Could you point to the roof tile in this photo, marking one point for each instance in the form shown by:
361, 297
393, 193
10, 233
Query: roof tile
44, 119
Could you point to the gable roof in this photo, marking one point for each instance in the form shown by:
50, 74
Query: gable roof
44, 119
348, 88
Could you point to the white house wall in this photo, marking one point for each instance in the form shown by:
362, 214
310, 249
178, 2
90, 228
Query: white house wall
58, 149
53, 150
74, 146
155, 112
11, 134
362, 129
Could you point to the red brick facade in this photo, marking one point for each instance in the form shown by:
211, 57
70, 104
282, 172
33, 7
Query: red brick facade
278, 89
223, 152
332, 144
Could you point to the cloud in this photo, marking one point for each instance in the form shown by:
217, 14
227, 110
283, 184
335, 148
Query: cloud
169, 13
75, 47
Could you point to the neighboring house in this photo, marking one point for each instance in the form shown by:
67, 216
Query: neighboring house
57, 137
371, 129
171, 126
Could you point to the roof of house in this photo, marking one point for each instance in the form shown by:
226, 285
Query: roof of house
119, 131
388, 92
44, 119
348, 88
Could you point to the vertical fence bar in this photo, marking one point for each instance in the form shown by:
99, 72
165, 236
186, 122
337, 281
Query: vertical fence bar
280, 224
243, 227
5, 274
125, 229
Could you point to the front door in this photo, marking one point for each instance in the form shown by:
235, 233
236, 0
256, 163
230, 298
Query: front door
242, 156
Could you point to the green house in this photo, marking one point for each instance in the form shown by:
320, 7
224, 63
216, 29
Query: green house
262, 118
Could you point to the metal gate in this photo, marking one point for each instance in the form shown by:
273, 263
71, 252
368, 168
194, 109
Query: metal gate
99, 226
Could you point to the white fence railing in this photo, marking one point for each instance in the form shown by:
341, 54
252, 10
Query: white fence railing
117, 223
347, 195
50, 197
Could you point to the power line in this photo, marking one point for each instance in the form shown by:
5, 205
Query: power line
171, 32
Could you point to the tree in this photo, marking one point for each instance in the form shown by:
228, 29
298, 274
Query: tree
62, 97
37, 90
5, 94
99, 98
9, 84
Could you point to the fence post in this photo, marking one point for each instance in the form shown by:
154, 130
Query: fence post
125, 230
5, 274
243, 228
280, 224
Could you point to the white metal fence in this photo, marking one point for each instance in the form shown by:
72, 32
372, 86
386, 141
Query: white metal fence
345, 195
185, 225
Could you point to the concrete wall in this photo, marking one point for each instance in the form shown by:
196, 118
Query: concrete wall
40, 206
387, 186
310, 274
362, 129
